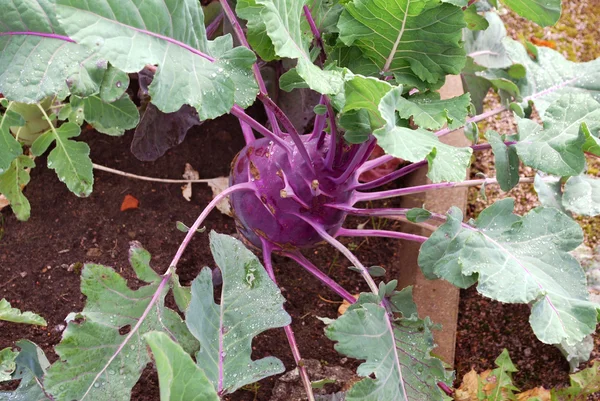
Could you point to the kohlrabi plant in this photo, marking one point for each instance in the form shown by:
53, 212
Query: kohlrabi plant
376, 66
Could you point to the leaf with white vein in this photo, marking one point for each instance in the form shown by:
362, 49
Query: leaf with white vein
518, 260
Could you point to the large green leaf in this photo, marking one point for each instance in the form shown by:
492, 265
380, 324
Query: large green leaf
582, 195
92, 348
256, 30
550, 75
32, 66
542, 12
10, 148
549, 191
179, 377
10, 314
70, 159
283, 23
111, 118
518, 260
418, 38
487, 47
557, 148
398, 355
446, 163
250, 304
365, 93
430, 112
131, 36
11, 186
506, 160
31, 364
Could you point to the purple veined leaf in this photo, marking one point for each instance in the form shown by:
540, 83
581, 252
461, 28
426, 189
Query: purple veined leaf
159, 132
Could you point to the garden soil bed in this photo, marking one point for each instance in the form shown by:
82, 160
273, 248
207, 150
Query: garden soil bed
40, 261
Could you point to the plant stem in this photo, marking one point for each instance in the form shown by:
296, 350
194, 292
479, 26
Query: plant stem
289, 333
325, 279
332, 134
239, 32
247, 132
241, 114
358, 159
291, 130
151, 179
315, 32
473, 119
360, 196
345, 232
391, 176
211, 29
320, 120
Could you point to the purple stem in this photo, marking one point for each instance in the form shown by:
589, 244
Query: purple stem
325, 279
247, 131
211, 29
289, 127
239, 32
167, 275
320, 120
289, 333
241, 114
444, 387
332, 134
344, 232
41, 34
392, 193
358, 159
315, 32
371, 164
391, 176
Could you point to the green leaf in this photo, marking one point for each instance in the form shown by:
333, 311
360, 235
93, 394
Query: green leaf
421, 39
131, 36
418, 215
250, 304
14, 315
582, 195
557, 147
549, 191
31, 364
583, 383
542, 12
487, 47
578, 353
114, 84
111, 118
10, 148
283, 20
397, 355
179, 377
92, 347
33, 67
446, 163
7, 364
518, 260
70, 159
12, 182
503, 374
256, 30
365, 93
429, 112
506, 159
474, 21
550, 75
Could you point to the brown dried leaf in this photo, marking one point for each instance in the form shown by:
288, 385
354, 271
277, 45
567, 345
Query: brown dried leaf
218, 185
129, 202
539, 392
468, 388
345, 304
189, 174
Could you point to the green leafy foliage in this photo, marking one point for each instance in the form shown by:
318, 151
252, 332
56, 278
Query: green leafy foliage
549, 191
12, 182
507, 161
33, 67
150, 38
542, 12
582, 195
10, 148
30, 366
93, 349
557, 147
518, 259
250, 304
550, 76
180, 378
417, 41
111, 118
10, 314
487, 47
397, 353
114, 84
7, 363
70, 159
429, 112
446, 163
